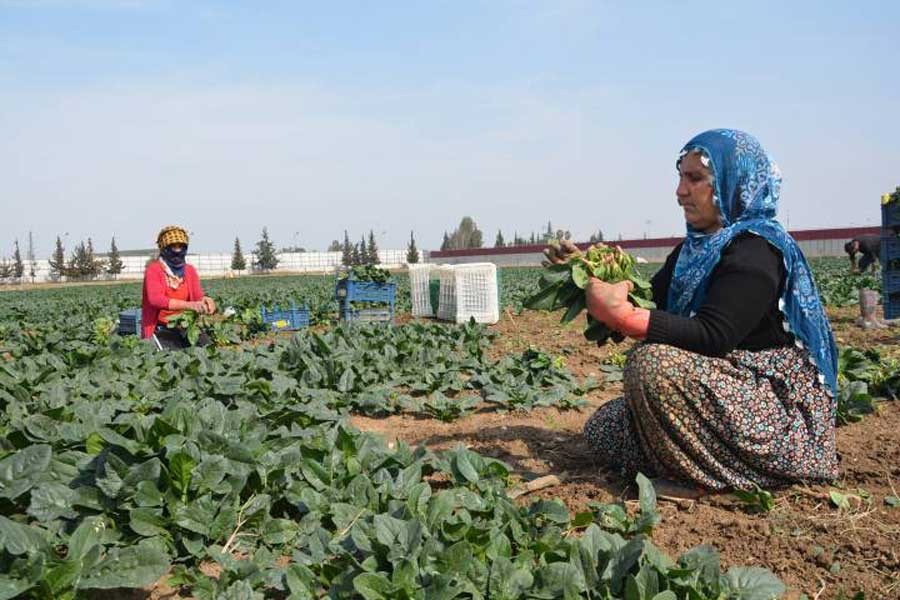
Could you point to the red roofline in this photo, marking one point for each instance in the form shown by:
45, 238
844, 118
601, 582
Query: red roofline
804, 235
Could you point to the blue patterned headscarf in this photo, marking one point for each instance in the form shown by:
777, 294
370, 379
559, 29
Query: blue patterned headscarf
746, 190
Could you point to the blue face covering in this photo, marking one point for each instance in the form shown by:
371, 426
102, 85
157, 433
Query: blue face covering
746, 191
175, 260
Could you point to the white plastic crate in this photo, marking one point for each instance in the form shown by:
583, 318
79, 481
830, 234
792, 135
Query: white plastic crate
420, 290
469, 291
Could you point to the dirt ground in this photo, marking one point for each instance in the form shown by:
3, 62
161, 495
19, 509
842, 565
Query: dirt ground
816, 549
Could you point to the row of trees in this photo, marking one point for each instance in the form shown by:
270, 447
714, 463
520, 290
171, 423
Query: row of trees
83, 264
467, 235
362, 253
266, 257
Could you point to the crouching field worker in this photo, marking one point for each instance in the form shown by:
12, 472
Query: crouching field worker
734, 382
170, 287
869, 246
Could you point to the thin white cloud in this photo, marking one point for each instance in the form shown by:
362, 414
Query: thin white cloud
85, 4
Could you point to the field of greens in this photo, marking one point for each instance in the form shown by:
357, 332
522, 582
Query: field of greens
234, 472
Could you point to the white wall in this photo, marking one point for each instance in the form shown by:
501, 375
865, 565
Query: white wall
811, 248
220, 264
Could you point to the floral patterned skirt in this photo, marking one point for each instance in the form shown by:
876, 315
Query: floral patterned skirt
749, 417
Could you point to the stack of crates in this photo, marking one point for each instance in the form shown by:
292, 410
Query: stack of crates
890, 255
291, 319
130, 322
378, 299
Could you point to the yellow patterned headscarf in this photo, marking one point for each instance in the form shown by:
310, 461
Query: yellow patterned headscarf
171, 234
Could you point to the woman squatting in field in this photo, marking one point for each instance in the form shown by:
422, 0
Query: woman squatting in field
734, 382
171, 286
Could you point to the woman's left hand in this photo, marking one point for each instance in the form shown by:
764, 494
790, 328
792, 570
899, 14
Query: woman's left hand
608, 303
210, 305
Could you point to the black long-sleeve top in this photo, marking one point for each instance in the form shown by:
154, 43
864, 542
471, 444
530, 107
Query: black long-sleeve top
869, 244
741, 305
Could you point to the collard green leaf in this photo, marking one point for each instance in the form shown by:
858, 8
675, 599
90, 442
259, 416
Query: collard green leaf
649, 517
148, 522
21, 575
18, 539
210, 473
373, 586
553, 511
88, 535
580, 274
20, 471
51, 501
752, 583
181, 469
131, 567
462, 466
545, 298
507, 581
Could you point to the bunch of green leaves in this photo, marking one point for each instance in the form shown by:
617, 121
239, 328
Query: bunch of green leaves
371, 273
222, 330
191, 324
562, 287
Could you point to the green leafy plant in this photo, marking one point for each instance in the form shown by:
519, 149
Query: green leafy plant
613, 517
756, 499
104, 328
446, 409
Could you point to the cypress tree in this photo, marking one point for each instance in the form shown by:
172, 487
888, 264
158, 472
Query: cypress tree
114, 266
266, 260
57, 262
412, 253
18, 266
346, 251
238, 262
372, 250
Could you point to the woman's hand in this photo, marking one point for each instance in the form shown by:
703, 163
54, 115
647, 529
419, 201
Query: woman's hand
609, 304
198, 307
209, 304
560, 255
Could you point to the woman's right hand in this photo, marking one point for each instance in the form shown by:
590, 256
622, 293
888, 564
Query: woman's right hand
561, 254
198, 307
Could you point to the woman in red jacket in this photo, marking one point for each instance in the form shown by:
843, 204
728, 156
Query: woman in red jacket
170, 287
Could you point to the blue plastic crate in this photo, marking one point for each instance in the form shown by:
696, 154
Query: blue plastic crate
365, 291
376, 314
890, 280
291, 319
129, 322
890, 250
891, 305
890, 214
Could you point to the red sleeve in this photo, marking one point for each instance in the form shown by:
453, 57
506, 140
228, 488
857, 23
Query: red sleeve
155, 287
194, 282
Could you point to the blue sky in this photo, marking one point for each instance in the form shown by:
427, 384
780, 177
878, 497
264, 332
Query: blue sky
119, 116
